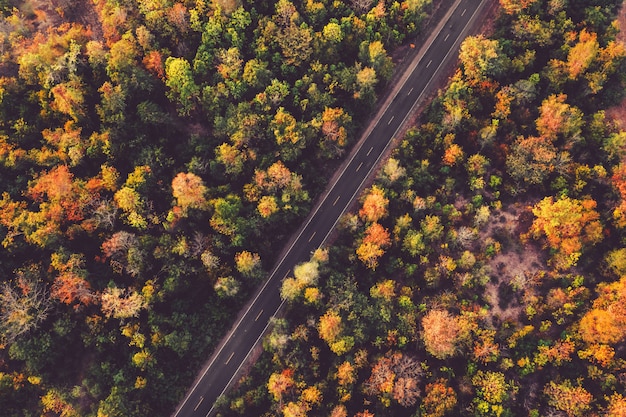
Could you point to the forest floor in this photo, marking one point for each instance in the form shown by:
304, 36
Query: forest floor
515, 264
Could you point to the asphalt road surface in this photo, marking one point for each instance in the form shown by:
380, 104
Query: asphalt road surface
419, 80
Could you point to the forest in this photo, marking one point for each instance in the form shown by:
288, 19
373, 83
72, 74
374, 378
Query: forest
155, 155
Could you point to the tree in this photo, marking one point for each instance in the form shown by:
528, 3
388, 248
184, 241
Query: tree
332, 32
581, 55
189, 191
441, 333
70, 285
333, 124
247, 263
182, 88
532, 159
329, 326
371, 248
439, 399
280, 383
366, 80
568, 226
267, 206
575, 401
121, 303
294, 409
374, 55
68, 98
515, 6
559, 118
285, 128
23, 305
392, 171
606, 321
124, 252
617, 406
294, 39
55, 402
492, 391
226, 287
395, 376
481, 58
374, 206
345, 374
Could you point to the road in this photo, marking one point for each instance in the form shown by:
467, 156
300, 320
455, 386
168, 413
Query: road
419, 80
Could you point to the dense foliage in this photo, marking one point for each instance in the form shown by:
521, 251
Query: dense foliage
154, 154
484, 273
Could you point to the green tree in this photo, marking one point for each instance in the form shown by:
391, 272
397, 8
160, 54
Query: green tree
183, 90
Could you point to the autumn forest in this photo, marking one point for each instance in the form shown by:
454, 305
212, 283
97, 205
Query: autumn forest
156, 155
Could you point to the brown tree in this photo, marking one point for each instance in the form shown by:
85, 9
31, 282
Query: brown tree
440, 333
23, 305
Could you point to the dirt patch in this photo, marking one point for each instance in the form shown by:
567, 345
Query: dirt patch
512, 267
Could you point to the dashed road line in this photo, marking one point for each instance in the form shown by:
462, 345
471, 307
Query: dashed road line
336, 200
198, 405
359, 167
229, 358
258, 315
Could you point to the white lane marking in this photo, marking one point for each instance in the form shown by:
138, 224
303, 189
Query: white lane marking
359, 167
198, 405
370, 151
429, 62
390, 120
462, 14
311, 238
230, 357
336, 200
410, 91
258, 315
446, 38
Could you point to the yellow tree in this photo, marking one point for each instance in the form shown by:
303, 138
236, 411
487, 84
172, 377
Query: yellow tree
617, 406
568, 225
279, 383
582, 54
575, 401
375, 205
606, 321
481, 58
189, 191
